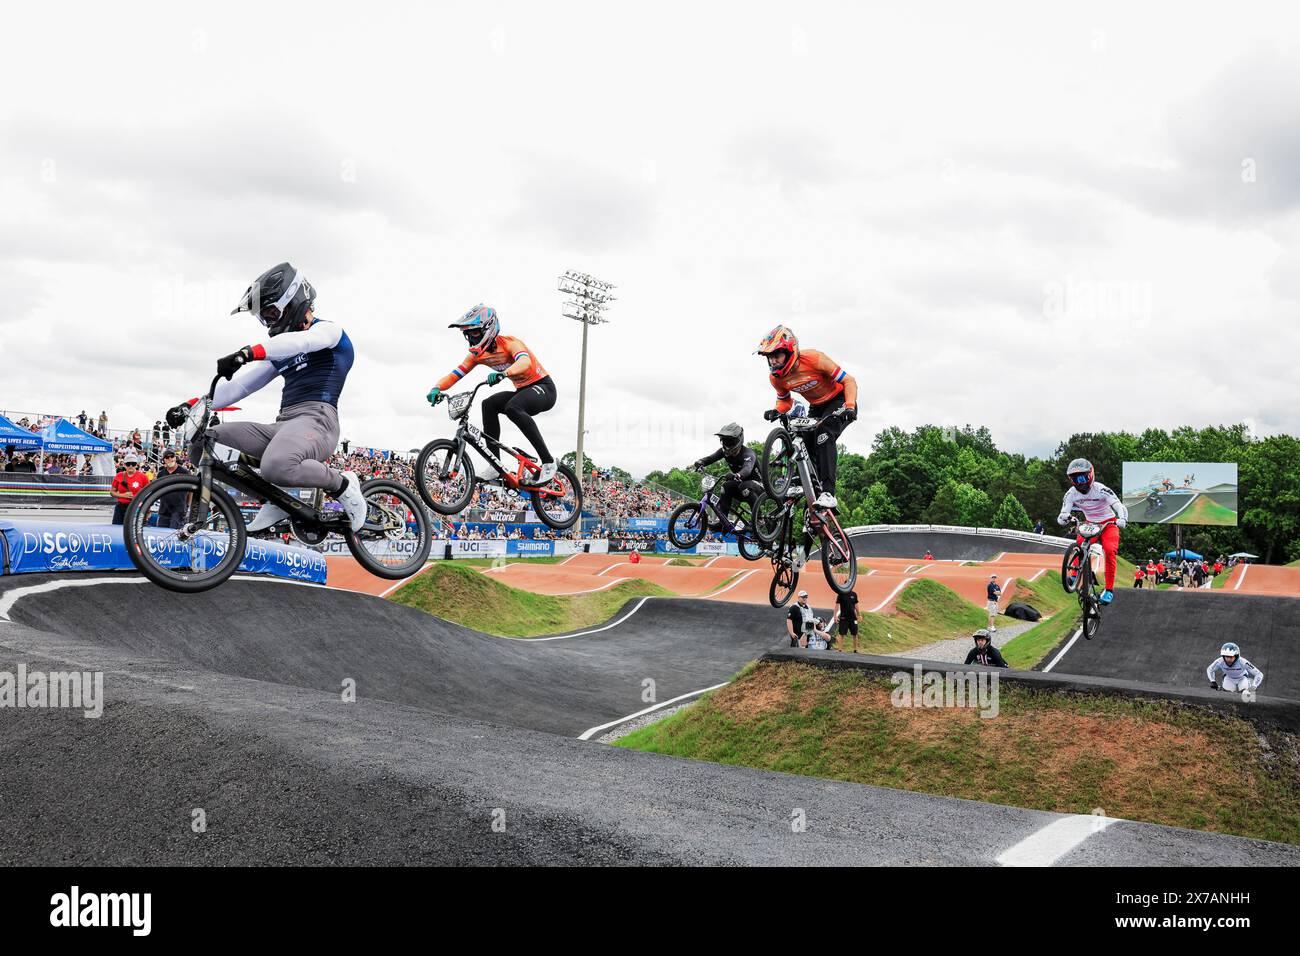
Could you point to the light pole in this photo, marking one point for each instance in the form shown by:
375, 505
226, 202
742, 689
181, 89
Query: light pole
590, 299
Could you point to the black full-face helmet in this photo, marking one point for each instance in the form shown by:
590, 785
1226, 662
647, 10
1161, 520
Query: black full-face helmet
279, 297
732, 437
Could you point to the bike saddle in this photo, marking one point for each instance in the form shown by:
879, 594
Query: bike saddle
523, 454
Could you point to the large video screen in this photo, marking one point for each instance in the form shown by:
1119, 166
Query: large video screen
1181, 492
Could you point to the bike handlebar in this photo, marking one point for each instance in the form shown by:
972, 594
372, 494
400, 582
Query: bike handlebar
784, 417
443, 396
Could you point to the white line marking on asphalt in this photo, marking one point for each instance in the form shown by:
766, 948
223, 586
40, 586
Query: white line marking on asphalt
1044, 847
569, 558
1244, 569
10, 597
739, 578
601, 574
1057, 659
711, 560
1038, 574
565, 637
588, 734
892, 595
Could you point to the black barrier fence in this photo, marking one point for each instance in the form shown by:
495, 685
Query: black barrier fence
27, 489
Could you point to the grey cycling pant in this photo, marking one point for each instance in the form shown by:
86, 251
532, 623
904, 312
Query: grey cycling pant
293, 449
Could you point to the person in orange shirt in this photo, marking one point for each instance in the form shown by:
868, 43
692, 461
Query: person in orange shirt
827, 388
508, 357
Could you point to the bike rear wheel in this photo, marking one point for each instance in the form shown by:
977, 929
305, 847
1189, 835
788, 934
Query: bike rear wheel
687, 526
784, 581
779, 466
387, 546
444, 477
198, 556
1091, 616
559, 503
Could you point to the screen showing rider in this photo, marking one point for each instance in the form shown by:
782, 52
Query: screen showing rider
825, 386
743, 463
508, 357
313, 357
1099, 505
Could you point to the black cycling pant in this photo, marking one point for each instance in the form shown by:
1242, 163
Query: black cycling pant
823, 441
520, 406
847, 626
733, 488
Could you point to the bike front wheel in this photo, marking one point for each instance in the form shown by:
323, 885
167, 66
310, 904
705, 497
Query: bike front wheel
839, 562
203, 552
1072, 568
687, 525
395, 540
444, 477
779, 466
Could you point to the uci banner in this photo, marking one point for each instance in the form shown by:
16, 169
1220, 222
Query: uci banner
32, 547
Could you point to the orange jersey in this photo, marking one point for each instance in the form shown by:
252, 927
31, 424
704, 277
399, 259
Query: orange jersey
817, 378
507, 352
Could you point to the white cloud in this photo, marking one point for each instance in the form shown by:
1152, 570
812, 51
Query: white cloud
977, 211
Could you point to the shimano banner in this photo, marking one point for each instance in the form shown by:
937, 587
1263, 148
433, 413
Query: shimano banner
36, 546
530, 549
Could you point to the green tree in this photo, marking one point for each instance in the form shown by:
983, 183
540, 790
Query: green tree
877, 507
1011, 514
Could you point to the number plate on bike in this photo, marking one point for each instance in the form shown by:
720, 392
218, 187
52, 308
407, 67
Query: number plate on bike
803, 424
457, 405
1089, 530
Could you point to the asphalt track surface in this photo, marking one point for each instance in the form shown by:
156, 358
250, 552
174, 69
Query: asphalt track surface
316, 638
1169, 637
209, 704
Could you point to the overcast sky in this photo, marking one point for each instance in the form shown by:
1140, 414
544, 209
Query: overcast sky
1039, 219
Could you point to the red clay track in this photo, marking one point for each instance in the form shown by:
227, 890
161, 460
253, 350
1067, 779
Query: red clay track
1263, 579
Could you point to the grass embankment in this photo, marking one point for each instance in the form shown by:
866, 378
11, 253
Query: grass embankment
1060, 614
1140, 760
458, 593
924, 612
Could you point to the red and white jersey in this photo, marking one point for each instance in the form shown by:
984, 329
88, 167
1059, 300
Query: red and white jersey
1099, 503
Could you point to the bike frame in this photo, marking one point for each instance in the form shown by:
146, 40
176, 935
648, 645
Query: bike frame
817, 517
709, 506
240, 475
471, 435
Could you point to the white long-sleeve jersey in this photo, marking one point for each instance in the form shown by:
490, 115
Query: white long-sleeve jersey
1240, 669
314, 363
1099, 503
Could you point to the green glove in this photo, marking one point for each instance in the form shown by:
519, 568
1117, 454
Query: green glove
494, 377
435, 395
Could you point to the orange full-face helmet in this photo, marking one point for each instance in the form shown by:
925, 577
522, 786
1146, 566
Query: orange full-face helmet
780, 339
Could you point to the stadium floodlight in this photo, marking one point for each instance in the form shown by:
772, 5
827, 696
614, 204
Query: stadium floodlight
589, 298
